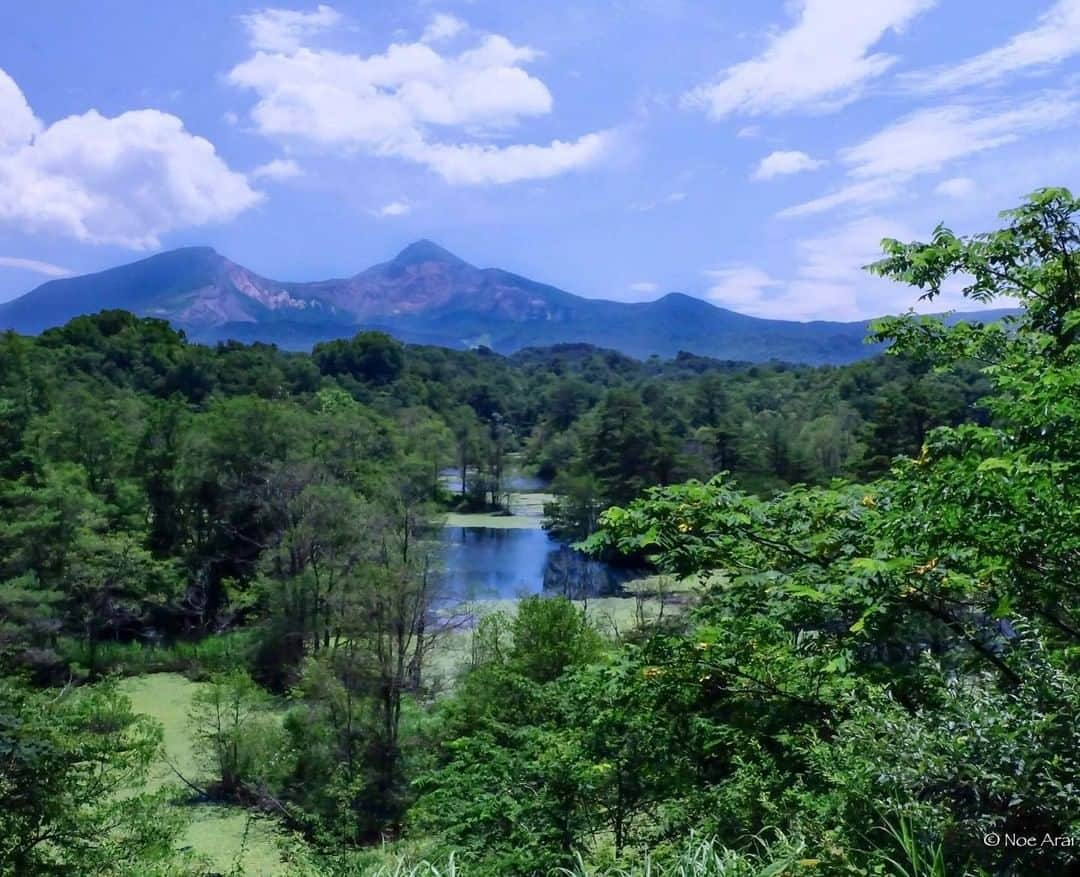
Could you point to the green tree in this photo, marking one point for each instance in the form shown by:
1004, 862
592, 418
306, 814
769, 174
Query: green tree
967, 552
237, 739
71, 765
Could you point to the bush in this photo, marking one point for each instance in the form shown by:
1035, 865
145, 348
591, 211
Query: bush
240, 742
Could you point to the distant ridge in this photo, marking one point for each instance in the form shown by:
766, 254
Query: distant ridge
426, 295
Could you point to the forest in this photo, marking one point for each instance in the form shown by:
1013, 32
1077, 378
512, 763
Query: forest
873, 666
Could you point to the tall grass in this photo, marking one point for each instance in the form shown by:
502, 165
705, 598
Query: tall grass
699, 858
917, 858
707, 858
196, 658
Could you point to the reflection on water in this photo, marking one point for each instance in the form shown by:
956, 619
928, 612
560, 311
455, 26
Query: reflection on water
485, 563
513, 481
571, 574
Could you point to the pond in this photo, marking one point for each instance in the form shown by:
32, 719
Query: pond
485, 563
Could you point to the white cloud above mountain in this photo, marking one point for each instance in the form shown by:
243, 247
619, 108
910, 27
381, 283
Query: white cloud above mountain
829, 280
124, 180
410, 102
741, 288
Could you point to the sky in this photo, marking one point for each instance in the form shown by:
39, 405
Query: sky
752, 154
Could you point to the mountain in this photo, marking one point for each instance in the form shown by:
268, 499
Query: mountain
424, 295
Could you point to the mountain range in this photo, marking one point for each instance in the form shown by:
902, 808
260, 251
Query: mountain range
424, 295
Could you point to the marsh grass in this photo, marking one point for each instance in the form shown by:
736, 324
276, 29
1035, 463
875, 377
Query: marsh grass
230, 839
197, 658
698, 858
918, 858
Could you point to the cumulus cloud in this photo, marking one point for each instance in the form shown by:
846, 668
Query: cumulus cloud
46, 268
413, 102
1055, 38
956, 187
278, 169
122, 180
932, 138
780, 163
820, 63
283, 30
18, 124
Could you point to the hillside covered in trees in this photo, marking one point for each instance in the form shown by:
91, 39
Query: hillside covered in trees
876, 675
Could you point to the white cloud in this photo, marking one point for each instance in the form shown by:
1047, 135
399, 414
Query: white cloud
836, 258
739, 287
748, 132
283, 30
930, 139
122, 180
785, 162
394, 208
18, 124
46, 268
826, 283
820, 63
1055, 38
442, 27
277, 169
868, 192
392, 104
829, 281
477, 163
645, 286
669, 198
824, 287
956, 187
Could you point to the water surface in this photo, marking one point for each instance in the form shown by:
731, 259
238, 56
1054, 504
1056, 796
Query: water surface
484, 563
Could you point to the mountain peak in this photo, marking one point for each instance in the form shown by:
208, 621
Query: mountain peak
425, 295
424, 250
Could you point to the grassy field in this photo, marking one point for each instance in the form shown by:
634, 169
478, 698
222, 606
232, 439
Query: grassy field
529, 504
223, 835
526, 512
482, 519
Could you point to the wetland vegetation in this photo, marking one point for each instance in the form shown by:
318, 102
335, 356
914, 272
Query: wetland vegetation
389, 609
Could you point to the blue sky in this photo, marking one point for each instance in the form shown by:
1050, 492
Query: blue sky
749, 153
